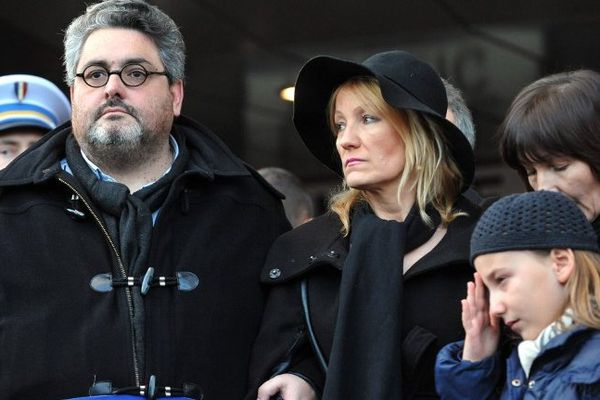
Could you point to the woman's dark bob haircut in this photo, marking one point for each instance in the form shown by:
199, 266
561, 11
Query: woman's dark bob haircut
555, 116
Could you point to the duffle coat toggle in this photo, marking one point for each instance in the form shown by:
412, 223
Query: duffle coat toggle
185, 281
74, 210
148, 391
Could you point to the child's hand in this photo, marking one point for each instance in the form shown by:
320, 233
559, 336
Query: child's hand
482, 331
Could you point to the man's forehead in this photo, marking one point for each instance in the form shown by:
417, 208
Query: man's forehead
118, 46
116, 63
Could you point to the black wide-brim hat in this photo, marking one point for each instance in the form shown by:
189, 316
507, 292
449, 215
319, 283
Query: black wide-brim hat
406, 82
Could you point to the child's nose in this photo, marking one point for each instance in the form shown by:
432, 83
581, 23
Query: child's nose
497, 307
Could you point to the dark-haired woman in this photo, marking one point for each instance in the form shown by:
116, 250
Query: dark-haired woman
363, 297
551, 136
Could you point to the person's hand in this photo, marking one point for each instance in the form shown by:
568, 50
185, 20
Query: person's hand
288, 387
482, 330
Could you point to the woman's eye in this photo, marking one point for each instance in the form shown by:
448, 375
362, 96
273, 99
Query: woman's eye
367, 119
560, 167
339, 126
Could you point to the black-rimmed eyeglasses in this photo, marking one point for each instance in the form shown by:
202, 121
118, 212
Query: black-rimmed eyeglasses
131, 75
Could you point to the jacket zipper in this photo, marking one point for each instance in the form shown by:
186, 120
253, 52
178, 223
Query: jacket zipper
123, 272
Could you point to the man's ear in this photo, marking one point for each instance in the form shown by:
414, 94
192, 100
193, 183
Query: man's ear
563, 264
176, 90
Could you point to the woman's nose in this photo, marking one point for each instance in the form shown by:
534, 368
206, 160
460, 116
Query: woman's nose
545, 180
348, 137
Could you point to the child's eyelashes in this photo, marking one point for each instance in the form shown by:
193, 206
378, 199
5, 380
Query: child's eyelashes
500, 280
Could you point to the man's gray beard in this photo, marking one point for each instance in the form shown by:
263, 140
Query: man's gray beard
122, 148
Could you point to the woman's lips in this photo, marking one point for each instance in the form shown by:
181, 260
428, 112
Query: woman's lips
353, 161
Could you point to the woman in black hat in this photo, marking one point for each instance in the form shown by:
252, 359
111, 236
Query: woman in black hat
363, 297
551, 136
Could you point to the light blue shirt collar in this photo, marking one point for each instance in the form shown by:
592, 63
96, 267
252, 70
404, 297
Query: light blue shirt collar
103, 177
107, 178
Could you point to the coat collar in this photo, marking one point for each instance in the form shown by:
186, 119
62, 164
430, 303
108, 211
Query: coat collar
455, 246
314, 244
319, 243
209, 156
577, 348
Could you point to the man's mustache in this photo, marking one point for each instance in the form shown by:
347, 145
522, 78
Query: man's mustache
114, 102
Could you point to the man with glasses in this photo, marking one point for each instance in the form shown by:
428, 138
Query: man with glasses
131, 240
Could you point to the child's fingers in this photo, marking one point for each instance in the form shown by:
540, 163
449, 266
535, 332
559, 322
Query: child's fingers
470, 294
480, 296
466, 314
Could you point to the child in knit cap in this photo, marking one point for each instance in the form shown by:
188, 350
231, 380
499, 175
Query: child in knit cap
538, 272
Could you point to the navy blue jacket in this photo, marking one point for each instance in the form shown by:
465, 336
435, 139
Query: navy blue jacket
567, 368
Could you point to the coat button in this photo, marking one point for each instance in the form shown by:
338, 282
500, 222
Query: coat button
531, 384
516, 382
312, 258
332, 254
274, 273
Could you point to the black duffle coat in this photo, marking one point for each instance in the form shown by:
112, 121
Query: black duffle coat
312, 257
58, 335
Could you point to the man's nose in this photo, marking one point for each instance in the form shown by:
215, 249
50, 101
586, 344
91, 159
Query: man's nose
114, 86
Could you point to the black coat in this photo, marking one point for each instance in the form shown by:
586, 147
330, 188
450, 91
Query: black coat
315, 253
57, 335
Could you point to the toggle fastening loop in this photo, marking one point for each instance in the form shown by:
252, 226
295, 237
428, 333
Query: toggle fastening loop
185, 281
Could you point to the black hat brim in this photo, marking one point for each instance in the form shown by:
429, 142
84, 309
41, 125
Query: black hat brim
316, 82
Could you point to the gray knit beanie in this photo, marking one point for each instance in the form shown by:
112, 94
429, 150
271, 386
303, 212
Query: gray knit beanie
532, 221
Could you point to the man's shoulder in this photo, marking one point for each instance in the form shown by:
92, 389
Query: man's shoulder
324, 227
211, 157
208, 153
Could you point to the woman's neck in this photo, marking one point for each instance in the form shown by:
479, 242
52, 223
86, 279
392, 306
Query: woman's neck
387, 206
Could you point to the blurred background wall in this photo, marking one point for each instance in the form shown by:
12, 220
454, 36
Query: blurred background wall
242, 53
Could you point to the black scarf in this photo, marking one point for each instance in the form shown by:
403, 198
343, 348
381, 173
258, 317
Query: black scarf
365, 360
596, 226
128, 218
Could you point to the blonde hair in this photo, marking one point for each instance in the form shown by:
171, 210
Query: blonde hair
584, 289
429, 169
